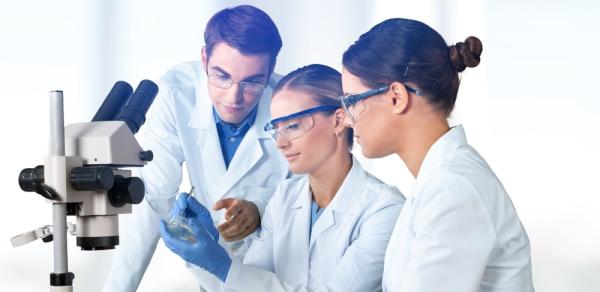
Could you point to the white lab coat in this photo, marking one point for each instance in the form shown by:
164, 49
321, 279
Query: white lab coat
346, 248
180, 127
459, 231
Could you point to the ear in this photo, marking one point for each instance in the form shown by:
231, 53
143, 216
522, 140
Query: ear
399, 97
204, 58
339, 125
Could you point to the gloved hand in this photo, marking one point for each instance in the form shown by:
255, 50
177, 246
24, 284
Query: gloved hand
206, 251
188, 207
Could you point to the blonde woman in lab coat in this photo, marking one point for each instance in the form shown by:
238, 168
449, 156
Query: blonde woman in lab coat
326, 228
458, 230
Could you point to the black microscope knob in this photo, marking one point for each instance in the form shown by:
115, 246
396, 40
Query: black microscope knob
99, 178
146, 155
127, 190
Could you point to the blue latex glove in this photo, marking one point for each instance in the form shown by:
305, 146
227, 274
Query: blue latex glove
206, 252
188, 207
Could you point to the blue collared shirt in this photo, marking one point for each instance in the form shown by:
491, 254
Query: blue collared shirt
231, 136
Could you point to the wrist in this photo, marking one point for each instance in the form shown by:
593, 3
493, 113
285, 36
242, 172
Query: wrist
224, 270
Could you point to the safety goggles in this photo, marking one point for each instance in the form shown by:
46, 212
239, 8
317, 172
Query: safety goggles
248, 88
353, 105
297, 124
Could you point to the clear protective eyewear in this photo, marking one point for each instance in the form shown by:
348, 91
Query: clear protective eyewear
295, 125
248, 87
353, 105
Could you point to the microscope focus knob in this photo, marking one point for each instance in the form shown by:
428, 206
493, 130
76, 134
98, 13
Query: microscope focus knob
99, 178
29, 177
146, 155
127, 190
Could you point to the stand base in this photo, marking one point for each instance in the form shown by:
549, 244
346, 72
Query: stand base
61, 288
61, 282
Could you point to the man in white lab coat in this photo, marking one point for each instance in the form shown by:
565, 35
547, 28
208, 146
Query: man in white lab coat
209, 114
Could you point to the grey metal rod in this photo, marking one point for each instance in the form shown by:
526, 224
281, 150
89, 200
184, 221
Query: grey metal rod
59, 219
57, 124
59, 210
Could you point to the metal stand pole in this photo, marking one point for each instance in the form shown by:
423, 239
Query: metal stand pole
60, 279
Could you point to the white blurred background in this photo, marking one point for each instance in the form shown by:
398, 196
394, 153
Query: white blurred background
531, 108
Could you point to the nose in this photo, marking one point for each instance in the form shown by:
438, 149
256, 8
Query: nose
234, 95
282, 142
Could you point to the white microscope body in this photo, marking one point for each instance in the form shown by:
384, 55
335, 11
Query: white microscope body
82, 175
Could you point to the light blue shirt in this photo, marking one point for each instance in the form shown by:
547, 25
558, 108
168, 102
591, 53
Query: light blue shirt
230, 136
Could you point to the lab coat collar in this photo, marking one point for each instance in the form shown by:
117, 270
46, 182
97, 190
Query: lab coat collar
303, 199
440, 152
202, 117
347, 199
263, 115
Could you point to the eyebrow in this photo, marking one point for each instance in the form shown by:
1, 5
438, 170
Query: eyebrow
225, 74
220, 71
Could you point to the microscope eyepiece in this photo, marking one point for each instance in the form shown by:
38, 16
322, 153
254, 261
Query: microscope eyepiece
134, 112
114, 102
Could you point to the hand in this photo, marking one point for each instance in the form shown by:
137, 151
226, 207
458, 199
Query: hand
206, 251
242, 218
189, 207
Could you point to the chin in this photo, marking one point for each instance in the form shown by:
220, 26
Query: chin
232, 119
369, 152
297, 168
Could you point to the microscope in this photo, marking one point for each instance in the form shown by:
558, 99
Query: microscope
84, 175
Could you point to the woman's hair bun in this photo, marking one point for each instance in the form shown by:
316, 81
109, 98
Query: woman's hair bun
465, 54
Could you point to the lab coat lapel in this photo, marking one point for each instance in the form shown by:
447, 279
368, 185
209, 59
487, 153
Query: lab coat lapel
324, 223
250, 150
246, 156
214, 165
346, 202
203, 122
298, 243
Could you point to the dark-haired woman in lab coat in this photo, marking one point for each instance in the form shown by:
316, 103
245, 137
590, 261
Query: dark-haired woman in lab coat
458, 230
